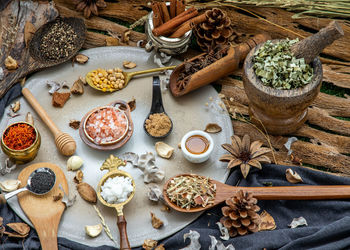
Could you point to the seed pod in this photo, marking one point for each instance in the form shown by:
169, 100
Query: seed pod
87, 192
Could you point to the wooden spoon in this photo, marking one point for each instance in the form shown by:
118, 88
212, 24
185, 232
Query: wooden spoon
64, 142
224, 191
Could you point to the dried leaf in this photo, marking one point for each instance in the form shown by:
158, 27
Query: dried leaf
57, 197
74, 124
80, 58
156, 222
78, 178
132, 104
298, 222
129, 65
68, 201
149, 244
194, 237
16, 106
267, 222
9, 185
293, 177
155, 193
21, 229
212, 128
112, 41
87, 192
288, 144
223, 230
164, 150
77, 88
218, 245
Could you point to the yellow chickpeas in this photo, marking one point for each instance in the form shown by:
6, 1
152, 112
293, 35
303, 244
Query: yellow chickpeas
107, 80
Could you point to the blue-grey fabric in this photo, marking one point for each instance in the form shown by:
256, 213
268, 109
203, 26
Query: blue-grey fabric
328, 221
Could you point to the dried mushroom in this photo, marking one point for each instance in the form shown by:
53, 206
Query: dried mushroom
74, 124
55, 86
224, 231
194, 237
155, 193
93, 231
9, 185
149, 244
132, 104
218, 245
292, 176
7, 167
130, 157
11, 63
87, 192
129, 65
267, 222
68, 201
15, 106
78, 178
212, 128
298, 222
74, 163
80, 58
151, 173
164, 150
156, 222
77, 88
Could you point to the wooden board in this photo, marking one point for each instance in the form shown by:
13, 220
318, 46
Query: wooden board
43, 211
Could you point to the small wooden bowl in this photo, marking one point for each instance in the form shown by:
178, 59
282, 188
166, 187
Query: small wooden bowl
112, 145
25, 155
280, 111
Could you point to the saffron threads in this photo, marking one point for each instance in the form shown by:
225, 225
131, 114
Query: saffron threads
19, 136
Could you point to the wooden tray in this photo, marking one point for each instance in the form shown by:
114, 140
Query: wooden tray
113, 146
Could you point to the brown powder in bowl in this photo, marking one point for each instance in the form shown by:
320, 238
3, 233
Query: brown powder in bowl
158, 124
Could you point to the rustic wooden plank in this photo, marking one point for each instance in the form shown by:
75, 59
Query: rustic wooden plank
99, 23
336, 76
309, 153
94, 40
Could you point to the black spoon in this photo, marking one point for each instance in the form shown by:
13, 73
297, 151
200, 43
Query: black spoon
157, 107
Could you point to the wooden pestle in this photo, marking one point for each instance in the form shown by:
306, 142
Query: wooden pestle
64, 142
310, 47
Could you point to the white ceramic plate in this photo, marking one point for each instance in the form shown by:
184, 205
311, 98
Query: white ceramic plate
188, 113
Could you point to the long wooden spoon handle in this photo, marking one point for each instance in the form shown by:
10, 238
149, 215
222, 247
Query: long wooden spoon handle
299, 192
123, 235
41, 112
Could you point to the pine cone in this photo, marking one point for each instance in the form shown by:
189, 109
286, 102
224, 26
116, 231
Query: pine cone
240, 215
216, 30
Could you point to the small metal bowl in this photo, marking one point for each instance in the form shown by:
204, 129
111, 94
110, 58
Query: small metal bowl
111, 142
25, 155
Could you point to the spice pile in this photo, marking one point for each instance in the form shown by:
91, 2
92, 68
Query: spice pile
19, 136
191, 191
107, 80
276, 66
191, 67
117, 189
107, 125
59, 42
158, 124
42, 182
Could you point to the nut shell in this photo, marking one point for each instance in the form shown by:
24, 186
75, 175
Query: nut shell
87, 192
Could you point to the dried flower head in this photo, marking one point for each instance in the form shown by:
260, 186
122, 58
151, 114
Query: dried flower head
244, 154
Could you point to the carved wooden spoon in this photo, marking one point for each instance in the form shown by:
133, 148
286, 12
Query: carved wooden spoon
224, 191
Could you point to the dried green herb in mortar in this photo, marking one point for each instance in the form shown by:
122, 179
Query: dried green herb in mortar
276, 66
191, 191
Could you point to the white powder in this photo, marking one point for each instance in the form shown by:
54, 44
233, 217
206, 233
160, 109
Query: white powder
117, 189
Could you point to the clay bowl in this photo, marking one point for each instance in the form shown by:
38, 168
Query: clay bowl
280, 111
25, 155
112, 145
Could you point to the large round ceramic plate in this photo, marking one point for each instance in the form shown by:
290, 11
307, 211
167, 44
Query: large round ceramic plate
188, 113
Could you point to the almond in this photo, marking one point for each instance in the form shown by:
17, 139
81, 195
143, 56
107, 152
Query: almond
87, 192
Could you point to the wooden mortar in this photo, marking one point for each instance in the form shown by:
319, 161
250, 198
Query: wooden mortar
285, 111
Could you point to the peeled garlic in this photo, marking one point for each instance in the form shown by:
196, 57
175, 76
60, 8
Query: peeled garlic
93, 231
74, 163
9, 185
164, 150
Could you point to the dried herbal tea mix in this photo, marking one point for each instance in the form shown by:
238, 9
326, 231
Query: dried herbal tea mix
191, 191
59, 42
200, 63
276, 66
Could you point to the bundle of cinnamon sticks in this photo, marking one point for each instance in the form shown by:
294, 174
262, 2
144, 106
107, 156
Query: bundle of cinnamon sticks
174, 21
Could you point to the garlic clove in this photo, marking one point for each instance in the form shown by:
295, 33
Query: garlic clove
164, 150
93, 231
74, 163
10, 185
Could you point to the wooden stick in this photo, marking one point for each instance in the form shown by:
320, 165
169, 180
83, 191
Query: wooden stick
188, 25
172, 8
165, 12
168, 27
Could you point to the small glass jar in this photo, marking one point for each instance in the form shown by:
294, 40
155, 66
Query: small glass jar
169, 46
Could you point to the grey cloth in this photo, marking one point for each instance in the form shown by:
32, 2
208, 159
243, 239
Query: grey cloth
328, 221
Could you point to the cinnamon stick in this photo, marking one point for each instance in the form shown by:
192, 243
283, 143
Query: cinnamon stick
157, 16
168, 27
165, 12
188, 25
173, 8
180, 7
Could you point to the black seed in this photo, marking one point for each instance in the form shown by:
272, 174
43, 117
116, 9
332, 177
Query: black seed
42, 182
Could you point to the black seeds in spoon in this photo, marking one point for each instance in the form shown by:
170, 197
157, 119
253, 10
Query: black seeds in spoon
42, 182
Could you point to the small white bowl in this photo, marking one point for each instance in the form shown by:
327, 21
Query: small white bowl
197, 158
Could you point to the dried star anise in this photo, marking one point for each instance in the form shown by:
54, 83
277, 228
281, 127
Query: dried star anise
89, 7
245, 154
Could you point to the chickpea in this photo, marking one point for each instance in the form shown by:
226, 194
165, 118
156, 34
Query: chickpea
100, 74
110, 71
120, 85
